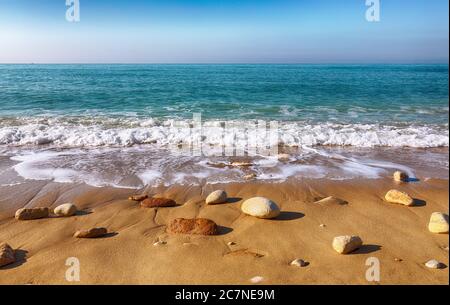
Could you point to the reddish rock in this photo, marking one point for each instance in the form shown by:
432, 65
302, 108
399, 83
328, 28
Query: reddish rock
199, 226
30, 214
91, 233
6, 255
157, 203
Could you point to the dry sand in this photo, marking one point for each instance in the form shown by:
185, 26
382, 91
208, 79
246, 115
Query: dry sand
263, 247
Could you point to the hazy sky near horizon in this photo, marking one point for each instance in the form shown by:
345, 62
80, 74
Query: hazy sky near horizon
224, 31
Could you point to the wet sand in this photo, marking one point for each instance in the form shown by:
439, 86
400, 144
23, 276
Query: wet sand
127, 256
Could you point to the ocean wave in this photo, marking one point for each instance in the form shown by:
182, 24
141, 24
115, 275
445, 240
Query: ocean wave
123, 132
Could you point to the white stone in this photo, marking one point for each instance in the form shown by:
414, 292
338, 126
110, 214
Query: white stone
299, 263
346, 244
216, 197
434, 264
65, 210
438, 223
400, 176
260, 207
395, 196
256, 279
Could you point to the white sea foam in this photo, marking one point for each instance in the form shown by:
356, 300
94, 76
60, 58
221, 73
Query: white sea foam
97, 132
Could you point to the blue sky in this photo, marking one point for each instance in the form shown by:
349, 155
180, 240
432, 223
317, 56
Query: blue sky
224, 31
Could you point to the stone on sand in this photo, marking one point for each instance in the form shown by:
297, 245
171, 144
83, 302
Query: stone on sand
65, 210
299, 263
400, 176
250, 176
346, 244
6, 255
434, 264
158, 203
256, 279
331, 201
216, 197
138, 197
91, 233
438, 223
283, 157
30, 214
241, 164
197, 226
395, 196
260, 207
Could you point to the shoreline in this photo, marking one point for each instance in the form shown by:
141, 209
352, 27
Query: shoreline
389, 232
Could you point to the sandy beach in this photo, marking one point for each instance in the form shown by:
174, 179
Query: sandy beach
245, 247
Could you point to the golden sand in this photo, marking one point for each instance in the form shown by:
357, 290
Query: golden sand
246, 246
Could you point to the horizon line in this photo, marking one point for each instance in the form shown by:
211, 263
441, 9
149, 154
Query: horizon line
225, 63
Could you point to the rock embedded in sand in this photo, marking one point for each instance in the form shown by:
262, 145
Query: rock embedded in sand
299, 263
346, 244
331, 201
197, 226
260, 207
256, 279
65, 210
434, 264
250, 176
241, 164
217, 197
138, 197
30, 214
395, 196
400, 176
91, 233
6, 255
438, 223
158, 203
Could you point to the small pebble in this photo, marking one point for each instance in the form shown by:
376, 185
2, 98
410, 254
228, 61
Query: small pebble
256, 279
434, 264
398, 259
299, 263
231, 243
159, 243
322, 225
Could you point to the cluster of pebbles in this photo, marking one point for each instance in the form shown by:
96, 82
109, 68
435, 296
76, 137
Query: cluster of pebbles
258, 207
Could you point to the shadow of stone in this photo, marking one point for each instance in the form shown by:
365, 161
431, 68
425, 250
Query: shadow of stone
21, 258
284, 216
233, 200
82, 213
412, 180
419, 203
221, 230
366, 249
107, 235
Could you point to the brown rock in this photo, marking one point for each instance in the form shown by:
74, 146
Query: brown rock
138, 197
158, 202
6, 255
200, 226
30, 214
91, 233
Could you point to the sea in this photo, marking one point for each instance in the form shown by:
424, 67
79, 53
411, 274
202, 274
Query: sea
137, 125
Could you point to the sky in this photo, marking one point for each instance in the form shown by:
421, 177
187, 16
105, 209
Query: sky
224, 31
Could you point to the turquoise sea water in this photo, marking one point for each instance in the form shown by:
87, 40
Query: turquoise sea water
411, 100
318, 93
116, 124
